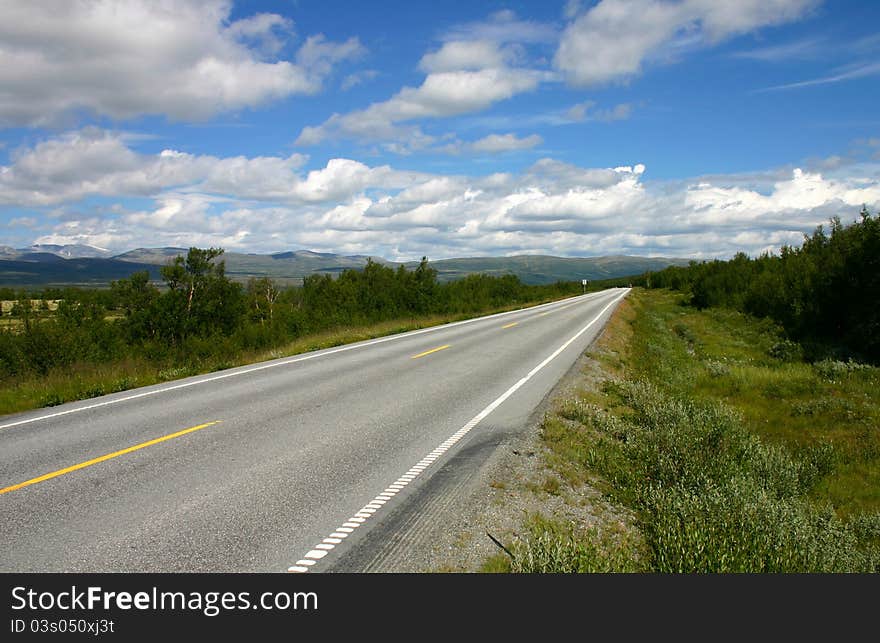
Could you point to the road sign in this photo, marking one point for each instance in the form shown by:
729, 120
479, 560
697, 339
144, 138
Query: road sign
583, 282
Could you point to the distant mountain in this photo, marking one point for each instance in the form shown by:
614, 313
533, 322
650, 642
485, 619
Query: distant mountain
73, 251
26, 268
47, 269
40, 257
158, 256
543, 269
286, 267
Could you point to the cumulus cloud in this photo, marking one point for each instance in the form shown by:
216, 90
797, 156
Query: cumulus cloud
122, 59
462, 76
265, 204
95, 162
267, 31
318, 55
612, 39
442, 94
462, 54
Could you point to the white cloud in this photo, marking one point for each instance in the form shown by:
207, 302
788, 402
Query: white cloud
268, 204
468, 73
442, 94
612, 40
318, 55
572, 8
93, 162
503, 27
357, 78
797, 50
268, 31
128, 58
456, 92
585, 112
505, 143
851, 72
463, 55
24, 222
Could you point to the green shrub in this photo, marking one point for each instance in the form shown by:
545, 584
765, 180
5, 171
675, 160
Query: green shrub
786, 351
738, 527
833, 370
713, 497
551, 548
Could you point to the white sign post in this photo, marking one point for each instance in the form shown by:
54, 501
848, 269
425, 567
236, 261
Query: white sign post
584, 284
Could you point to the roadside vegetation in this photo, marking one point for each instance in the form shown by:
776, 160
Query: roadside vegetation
824, 293
731, 452
62, 345
737, 421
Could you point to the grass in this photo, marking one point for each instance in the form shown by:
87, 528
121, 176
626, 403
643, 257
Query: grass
553, 547
733, 454
84, 381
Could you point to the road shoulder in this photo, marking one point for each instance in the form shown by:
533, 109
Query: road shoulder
493, 494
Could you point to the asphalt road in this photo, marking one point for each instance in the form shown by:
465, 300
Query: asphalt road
283, 465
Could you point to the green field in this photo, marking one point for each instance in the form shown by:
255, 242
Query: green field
730, 451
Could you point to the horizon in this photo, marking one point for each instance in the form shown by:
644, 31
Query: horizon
639, 128
113, 254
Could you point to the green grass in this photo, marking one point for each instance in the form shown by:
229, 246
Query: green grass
733, 454
553, 547
784, 401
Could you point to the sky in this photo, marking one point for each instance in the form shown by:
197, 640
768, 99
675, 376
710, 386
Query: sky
402, 129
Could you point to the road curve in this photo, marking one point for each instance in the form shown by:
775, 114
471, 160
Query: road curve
282, 465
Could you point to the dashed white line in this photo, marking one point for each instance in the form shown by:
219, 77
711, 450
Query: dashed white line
370, 509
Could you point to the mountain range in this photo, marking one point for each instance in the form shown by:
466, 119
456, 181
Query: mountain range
81, 265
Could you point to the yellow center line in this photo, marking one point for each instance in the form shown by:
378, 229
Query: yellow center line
103, 458
510, 325
433, 350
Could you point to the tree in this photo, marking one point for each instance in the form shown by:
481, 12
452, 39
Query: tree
200, 299
425, 285
262, 294
136, 297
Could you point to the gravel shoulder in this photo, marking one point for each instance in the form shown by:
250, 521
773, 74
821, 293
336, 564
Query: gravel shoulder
497, 496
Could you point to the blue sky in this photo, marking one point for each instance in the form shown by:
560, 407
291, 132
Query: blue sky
691, 128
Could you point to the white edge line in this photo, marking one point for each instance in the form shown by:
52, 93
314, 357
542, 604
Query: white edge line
326, 548
283, 362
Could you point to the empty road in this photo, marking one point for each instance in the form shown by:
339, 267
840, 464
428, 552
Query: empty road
287, 465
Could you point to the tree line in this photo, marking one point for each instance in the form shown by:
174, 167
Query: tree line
825, 293
198, 313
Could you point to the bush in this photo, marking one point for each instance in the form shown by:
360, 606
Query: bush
823, 293
712, 497
738, 527
786, 351
552, 548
